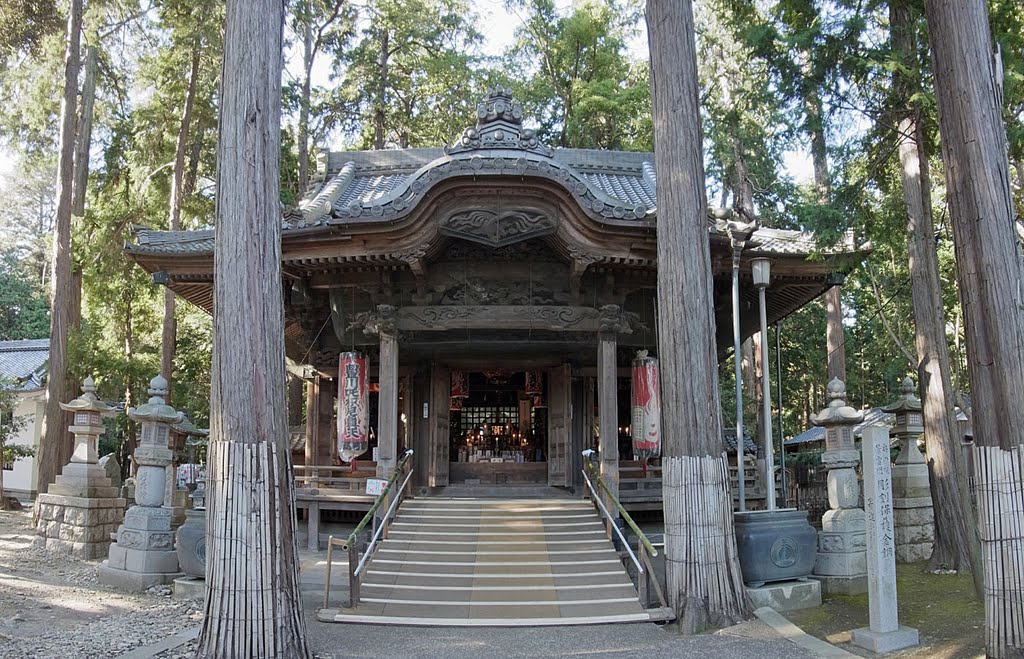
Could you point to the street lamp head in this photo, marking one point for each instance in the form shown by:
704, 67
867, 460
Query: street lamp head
761, 268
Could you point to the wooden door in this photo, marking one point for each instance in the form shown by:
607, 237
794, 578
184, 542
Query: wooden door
440, 431
559, 424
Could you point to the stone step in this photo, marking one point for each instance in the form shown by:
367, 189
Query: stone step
473, 594
354, 618
515, 545
510, 523
616, 577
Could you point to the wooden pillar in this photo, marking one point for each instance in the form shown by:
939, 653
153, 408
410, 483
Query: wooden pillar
608, 411
387, 414
387, 406
312, 419
326, 446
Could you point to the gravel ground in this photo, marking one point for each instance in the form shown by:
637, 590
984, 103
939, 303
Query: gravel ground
52, 605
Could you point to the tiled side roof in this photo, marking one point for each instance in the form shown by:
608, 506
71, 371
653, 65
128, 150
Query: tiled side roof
872, 417
150, 241
24, 362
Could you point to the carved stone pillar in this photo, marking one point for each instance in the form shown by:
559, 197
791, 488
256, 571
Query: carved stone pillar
913, 515
144, 555
841, 563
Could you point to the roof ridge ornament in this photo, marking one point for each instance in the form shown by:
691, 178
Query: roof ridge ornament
499, 125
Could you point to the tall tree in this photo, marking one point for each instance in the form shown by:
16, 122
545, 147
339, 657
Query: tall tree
990, 275
956, 545
181, 148
54, 432
575, 77
703, 577
409, 79
253, 606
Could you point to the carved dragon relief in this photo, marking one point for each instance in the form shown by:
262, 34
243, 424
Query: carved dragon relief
497, 228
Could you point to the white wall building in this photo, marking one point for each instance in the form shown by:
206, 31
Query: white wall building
24, 364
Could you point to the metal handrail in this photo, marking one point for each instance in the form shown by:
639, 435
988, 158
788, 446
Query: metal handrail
380, 527
350, 543
629, 520
399, 469
611, 523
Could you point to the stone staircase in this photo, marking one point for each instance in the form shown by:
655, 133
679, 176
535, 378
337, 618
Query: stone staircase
495, 562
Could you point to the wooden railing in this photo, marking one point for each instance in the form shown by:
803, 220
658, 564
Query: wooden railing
313, 478
644, 549
351, 544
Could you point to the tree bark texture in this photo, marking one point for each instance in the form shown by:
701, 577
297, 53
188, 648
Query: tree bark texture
304, 99
169, 337
956, 545
990, 279
54, 431
84, 135
253, 607
380, 111
702, 568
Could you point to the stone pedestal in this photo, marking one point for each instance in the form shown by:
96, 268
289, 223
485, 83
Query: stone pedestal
144, 555
787, 595
841, 563
81, 509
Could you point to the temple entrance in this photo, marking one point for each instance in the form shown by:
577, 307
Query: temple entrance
498, 428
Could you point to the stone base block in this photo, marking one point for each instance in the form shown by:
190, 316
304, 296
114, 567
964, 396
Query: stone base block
142, 518
142, 561
136, 581
912, 553
77, 549
882, 642
833, 585
189, 588
908, 535
787, 595
841, 564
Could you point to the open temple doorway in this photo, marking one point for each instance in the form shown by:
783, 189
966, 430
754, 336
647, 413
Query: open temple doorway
498, 432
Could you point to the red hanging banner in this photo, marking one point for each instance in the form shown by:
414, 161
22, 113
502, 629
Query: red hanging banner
353, 407
646, 426
534, 384
460, 385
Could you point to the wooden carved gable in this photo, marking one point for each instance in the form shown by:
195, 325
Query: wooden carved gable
497, 228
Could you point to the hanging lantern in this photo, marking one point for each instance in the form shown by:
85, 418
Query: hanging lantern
353, 407
534, 384
460, 385
646, 426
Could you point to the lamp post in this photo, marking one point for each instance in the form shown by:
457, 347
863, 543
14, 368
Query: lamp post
761, 269
738, 236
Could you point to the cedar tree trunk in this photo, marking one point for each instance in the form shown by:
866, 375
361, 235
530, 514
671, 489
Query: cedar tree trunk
705, 586
54, 431
253, 607
991, 289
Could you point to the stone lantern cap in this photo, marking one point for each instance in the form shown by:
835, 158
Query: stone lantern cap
837, 412
186, 427
156, 410
908, 402
88, 402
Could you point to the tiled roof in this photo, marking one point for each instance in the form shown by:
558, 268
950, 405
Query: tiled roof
24, 363
149, 241
370, 186
729, 437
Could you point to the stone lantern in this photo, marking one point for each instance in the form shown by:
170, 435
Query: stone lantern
841, 563
144, 555
81, 508
913, 515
